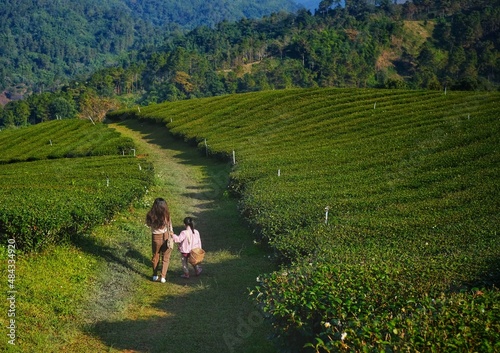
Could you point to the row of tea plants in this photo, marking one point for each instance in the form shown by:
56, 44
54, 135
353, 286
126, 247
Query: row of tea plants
60, 139
48, 199
381, 205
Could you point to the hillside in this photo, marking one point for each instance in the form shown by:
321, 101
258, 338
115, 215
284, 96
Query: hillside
380, 206
399, 46
54, 167
94, 293
404, 46
372, 201
45, 44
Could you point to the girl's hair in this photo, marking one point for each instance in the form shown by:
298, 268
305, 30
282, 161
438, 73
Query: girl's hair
189, 222
159, 215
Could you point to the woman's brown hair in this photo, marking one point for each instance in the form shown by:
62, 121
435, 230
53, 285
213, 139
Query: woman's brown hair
159, 215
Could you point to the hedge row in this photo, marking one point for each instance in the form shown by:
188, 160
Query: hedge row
47, 200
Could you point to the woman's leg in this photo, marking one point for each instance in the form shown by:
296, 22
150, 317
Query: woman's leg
156, 243
166, 261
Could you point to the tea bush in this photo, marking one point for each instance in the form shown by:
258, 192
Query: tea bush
48, 199
372, 308
60, 139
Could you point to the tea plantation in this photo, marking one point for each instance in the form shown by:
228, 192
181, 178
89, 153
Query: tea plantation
382, 207
47, 197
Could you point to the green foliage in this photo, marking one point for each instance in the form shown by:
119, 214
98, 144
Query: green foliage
47, 106
372, 308
330, 49
361, 46
44, 45
58, 139
409, 220
60, 108
47, 199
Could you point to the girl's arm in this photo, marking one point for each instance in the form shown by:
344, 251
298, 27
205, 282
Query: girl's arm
179, 238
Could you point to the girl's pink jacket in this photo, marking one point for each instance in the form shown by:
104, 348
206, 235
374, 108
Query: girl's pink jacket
187, 240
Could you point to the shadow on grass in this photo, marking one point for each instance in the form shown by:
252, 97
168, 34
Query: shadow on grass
212, 317
213, 313
110, 255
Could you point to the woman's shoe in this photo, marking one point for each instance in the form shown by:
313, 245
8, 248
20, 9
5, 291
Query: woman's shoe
163, 280
155, 278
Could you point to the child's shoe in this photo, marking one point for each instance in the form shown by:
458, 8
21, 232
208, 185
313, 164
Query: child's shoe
185, 275
198, 271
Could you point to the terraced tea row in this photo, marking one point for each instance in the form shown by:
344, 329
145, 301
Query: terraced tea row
47, 199
61, 138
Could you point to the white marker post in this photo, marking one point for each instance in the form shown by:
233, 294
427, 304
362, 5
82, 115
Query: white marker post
326, 214
234, 158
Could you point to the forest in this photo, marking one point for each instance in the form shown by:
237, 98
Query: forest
436, 45
44, 44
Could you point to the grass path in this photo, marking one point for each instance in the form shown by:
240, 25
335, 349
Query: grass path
128, 312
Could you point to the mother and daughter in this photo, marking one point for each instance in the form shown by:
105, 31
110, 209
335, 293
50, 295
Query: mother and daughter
163, 239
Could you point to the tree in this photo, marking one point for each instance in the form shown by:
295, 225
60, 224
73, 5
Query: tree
214, 84
182, 81
95, 107
21, 113
324, 6
8, 118
39, 104
61, 108
456, 60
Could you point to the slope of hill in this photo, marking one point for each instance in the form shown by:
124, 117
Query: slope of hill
55, 189
374, 47
383, 204
43, 44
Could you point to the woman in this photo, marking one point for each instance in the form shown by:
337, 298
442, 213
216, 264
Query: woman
188, 239
158, 219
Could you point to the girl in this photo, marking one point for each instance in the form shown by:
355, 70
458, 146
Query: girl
158, 219
188, 239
